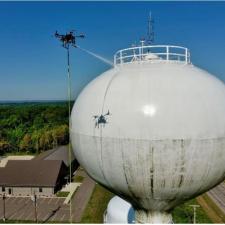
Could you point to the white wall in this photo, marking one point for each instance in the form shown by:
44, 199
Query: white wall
27, 191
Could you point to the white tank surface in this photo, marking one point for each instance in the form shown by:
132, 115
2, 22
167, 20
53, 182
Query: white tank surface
119, 211
152, 131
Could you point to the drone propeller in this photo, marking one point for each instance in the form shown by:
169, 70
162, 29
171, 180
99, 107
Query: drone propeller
108, 113
56, 33
81, 36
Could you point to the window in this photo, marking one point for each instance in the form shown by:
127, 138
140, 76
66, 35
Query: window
3, 189
40, 189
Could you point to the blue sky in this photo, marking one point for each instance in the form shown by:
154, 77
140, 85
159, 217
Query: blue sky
33, 65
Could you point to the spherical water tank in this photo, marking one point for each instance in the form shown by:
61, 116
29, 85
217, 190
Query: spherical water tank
152, 130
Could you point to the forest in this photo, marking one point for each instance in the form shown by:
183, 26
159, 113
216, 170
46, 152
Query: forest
30, 128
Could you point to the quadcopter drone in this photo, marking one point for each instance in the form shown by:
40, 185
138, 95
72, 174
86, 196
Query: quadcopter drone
68, 38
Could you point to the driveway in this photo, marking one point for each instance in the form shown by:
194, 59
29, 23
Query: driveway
22, 208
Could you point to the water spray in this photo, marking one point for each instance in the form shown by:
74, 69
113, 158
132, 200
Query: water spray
97, 56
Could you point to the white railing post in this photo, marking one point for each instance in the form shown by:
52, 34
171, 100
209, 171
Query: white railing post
186, 55
137, 53
189, 57
140, 55
167, 53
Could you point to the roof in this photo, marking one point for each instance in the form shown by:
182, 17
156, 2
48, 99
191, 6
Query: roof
59, 153
5, 159
31, 173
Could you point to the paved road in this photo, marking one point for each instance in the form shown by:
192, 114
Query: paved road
217, 194
22, 208
82, 196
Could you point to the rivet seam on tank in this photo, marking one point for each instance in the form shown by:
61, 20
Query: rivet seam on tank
101, 120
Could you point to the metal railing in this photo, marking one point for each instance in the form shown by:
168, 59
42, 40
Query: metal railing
152, 53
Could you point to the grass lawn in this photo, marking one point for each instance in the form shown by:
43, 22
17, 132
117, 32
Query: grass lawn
78, 179
62, 194
97, 205
184, 213
100, 198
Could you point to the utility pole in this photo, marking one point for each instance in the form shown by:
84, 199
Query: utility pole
3, 198
194, 208
69, 39
34, 199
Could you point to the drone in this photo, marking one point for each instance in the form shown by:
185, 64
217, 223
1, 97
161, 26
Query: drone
68, 38
101, 119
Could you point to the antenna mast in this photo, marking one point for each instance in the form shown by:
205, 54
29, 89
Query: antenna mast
150, 34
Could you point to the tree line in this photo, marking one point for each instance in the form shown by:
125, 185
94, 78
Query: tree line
32, 128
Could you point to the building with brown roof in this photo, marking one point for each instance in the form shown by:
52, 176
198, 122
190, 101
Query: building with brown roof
28, 177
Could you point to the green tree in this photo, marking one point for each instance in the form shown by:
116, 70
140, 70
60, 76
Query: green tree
33, 127
35, 138
61, 134
26, 143
46, 140
4, 146
14, 137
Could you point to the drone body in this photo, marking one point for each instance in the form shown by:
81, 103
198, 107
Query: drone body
68, 38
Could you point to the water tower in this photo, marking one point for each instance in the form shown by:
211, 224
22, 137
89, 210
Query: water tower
152, 129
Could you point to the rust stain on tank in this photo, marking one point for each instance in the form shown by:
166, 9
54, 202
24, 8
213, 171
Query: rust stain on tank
163, 183
151, 173
182, 163
181, 180
126, 178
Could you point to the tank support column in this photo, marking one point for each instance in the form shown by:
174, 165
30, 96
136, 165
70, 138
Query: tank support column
142, 216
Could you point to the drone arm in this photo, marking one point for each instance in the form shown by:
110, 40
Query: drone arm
80, 36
